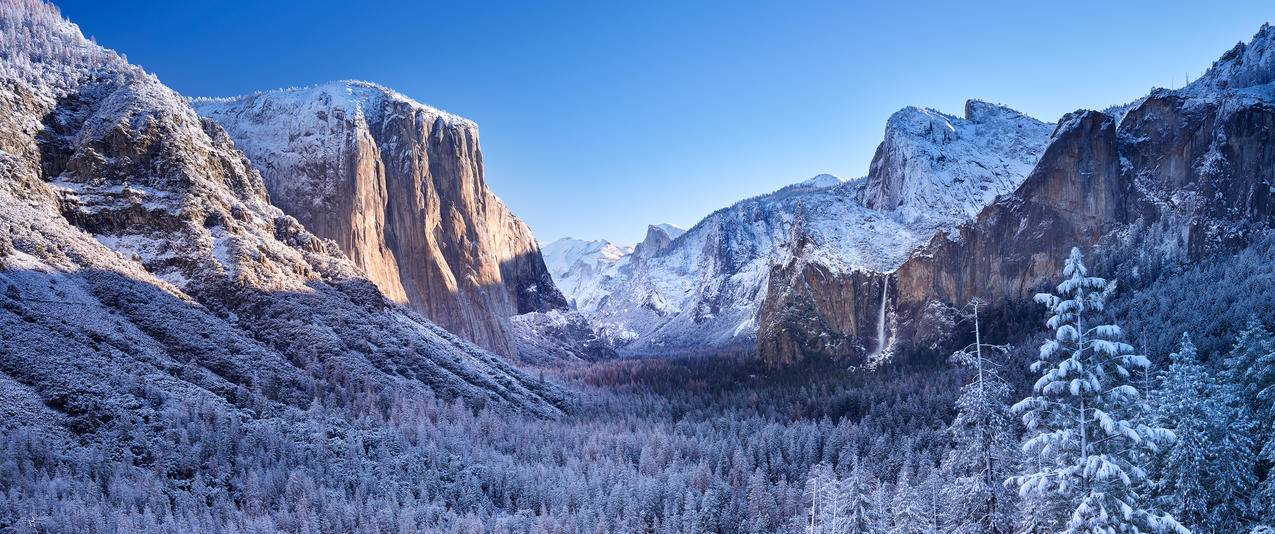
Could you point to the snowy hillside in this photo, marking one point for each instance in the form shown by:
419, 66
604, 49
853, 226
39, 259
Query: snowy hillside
702, 288
1246, 66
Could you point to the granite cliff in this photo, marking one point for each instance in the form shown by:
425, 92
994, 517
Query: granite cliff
399, 186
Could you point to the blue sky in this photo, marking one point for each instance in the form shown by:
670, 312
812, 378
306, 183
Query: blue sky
598, 118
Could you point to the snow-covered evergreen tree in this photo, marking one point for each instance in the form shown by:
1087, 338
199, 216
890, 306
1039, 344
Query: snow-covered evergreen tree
1250, 374
907, 507
1244, 365
840, 506
984, 438
1206, 477
857, 490
932, 502
881, 516
1083, 418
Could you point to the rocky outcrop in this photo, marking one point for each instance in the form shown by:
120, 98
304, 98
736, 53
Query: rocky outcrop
142, 266
936, 168
1077, 194
399, 187
1184, 175
702, 291
658, 237
931, 173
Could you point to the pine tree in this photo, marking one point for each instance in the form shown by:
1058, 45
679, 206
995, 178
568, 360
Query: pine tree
858, 489
1206, 476
1083, 418
881, 516
932, 503
983, 435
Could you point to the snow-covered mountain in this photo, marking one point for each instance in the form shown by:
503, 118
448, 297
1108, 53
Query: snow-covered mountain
702, 290
584, 270
1173, 179
399, 186
142, 266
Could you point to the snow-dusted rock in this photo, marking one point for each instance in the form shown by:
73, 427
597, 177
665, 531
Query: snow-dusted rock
937, 169
701, 290
658, 237
1247, 66
556, 338
1177, 176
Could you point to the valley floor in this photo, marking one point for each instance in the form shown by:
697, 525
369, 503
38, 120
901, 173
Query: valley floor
709, 444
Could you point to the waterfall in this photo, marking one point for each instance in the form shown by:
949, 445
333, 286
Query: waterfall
885, 289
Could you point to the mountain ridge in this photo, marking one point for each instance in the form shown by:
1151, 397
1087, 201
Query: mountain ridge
1176, 176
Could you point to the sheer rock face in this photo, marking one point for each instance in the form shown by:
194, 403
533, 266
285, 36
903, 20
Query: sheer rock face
1076, 194
1184, 175
811, 311
399, 186
658, 237
142, 264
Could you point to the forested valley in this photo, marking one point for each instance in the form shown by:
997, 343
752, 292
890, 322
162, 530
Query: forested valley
931, 441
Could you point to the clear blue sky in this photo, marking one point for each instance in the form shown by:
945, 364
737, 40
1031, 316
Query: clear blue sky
598, 118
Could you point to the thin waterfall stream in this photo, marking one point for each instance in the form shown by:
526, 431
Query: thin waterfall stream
881, 340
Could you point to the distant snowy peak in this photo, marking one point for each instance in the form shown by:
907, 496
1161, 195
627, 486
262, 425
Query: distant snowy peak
564, 254
940, 169
658, 237
1245, 66
581, 268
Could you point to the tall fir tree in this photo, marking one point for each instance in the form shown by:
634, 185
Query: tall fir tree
841, 506
1083, 418
1206, 477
